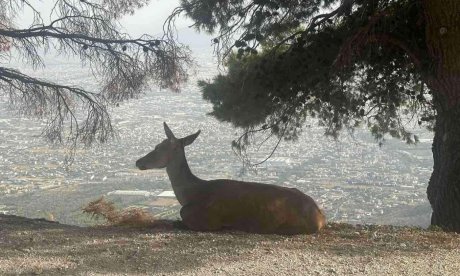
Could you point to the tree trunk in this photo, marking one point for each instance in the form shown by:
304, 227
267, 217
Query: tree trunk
442, 18
444, 187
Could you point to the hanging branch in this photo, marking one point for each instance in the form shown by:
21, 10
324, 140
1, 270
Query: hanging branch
124, 66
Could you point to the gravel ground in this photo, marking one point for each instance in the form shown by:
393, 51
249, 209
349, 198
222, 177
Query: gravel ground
39, 247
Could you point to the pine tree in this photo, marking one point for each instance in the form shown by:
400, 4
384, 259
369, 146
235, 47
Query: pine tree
351, 62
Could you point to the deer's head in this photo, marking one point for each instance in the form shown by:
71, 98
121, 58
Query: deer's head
165, 151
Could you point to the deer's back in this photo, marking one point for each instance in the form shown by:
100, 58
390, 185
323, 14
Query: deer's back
257, 207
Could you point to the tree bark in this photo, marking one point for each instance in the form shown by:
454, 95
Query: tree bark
444, 186
442, 18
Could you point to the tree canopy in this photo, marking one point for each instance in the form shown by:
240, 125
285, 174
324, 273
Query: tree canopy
361, 62
89, 30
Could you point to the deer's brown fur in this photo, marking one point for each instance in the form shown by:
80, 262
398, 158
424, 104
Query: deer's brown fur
222, 203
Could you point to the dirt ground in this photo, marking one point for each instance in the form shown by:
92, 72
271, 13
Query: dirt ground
38, 247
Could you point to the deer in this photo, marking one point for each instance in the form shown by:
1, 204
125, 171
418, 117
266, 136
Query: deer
212, 205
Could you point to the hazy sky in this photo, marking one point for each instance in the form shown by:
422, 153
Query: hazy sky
146, 20
150, 20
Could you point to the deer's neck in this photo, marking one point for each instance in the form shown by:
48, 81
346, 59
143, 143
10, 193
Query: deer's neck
183, 181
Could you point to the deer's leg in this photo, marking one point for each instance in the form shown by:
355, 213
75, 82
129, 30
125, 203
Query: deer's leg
293, 224
306, 220
198, 218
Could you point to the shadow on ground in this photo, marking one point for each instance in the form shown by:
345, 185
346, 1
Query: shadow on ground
32, 246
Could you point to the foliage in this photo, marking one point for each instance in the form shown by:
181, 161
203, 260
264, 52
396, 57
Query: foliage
346, 63
89, 30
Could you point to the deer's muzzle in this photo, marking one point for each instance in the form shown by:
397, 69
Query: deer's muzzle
140, 166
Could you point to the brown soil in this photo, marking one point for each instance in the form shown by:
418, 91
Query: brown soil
30, 246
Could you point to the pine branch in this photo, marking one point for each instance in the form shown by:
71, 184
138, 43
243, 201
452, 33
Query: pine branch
58, 105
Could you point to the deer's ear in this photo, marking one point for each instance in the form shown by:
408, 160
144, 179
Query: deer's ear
168, 131
189, 139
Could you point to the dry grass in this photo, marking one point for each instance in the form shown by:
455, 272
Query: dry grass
131, 216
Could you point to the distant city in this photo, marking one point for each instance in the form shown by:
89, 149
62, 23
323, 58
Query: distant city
353, 179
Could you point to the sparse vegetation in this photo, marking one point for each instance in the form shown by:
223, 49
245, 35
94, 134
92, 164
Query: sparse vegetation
131, 216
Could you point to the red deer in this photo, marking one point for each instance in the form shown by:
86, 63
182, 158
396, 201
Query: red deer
209, 205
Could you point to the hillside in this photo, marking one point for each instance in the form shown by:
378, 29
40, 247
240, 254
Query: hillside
35, 247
